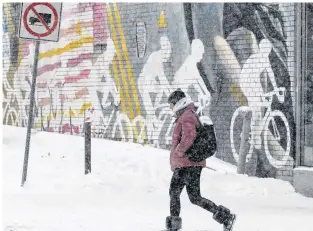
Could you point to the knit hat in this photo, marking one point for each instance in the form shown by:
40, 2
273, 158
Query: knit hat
176, 96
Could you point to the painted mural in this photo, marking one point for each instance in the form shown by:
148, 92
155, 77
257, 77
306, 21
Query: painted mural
94, 74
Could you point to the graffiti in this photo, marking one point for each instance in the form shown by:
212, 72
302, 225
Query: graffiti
226, 57
259, 75
251, 86
188, 76
22, 82
101, 76
153, 80
5, 34
141, 39
272, 132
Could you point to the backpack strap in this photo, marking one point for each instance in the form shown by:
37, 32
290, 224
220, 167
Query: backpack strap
198, 118
210, 122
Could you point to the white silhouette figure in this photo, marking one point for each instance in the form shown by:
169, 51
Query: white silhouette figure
250, 84
103, 81
188, 74
6, 62
153, 80
23, 80
6, 46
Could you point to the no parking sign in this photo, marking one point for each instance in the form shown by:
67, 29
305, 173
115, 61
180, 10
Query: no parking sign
40, 21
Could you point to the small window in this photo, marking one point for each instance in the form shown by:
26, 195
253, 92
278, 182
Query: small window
141, 39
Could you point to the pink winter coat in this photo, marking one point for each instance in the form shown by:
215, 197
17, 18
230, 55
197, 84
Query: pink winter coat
183, 137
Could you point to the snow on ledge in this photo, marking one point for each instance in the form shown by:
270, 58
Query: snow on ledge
303, 168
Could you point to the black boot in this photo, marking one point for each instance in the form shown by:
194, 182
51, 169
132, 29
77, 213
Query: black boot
223, 216
229, 223
173, 223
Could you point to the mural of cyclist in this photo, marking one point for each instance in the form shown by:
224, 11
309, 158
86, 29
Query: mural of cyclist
152, 79
251, 86
188, 76
261, 27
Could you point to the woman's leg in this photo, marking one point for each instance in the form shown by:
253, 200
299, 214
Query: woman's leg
193, 175
220, 213
176, 187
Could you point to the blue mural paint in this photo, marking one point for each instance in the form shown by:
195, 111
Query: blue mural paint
5, 36
4, 24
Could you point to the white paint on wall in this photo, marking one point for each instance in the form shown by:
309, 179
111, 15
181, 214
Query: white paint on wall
22, 82
188, 75
152, 79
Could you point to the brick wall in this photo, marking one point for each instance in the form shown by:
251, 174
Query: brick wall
117, 63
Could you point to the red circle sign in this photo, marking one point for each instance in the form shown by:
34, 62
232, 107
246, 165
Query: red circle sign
31, 7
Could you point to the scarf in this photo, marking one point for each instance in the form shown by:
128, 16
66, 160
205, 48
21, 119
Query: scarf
181, 104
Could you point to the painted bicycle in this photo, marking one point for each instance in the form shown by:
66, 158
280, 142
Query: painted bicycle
274, 129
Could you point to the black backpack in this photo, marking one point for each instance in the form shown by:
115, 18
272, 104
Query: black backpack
204, 145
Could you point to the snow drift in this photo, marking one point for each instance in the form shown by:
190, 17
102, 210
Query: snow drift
128, 189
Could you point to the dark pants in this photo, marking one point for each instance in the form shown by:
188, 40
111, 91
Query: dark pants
189, 176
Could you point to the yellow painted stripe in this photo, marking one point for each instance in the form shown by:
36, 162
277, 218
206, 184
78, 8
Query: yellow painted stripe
120, 61
70, 46
72, 29
129, 68
236, 92
128, 65
20, 51
117, 79
10, 24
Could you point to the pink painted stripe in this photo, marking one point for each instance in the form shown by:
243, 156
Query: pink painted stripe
67, 14
100, 29
25, 47
42, 85
49, 67
66, 128
83, 7
73, 79
75, 61
58, 84
63, 97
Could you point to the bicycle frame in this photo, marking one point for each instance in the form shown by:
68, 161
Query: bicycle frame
164, 112
268, 116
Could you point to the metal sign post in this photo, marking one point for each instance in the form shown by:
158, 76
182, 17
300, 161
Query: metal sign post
30, 114
87, 148
41, 22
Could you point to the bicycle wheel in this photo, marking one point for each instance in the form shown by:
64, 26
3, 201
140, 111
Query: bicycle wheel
236, 127
124, 125
139, 123
277, 149
162, 132
12, 117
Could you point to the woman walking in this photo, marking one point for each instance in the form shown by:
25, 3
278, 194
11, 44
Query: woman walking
185, 172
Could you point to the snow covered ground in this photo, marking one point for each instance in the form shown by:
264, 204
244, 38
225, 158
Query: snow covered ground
128, 190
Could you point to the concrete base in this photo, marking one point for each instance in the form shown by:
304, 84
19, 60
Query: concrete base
303, 180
